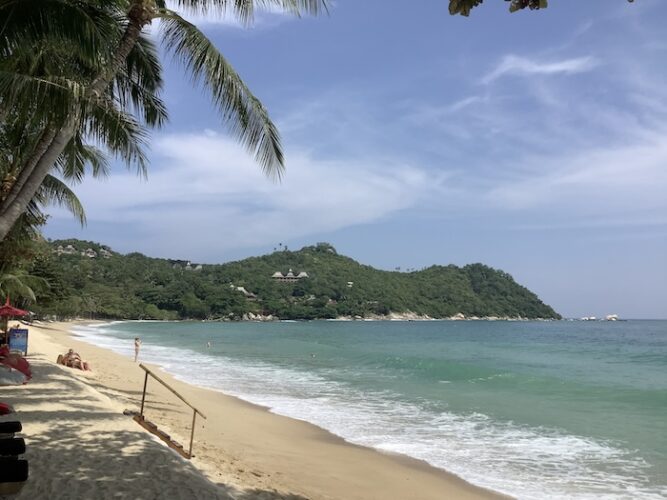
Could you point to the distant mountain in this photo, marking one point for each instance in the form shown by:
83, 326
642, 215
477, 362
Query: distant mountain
90, 280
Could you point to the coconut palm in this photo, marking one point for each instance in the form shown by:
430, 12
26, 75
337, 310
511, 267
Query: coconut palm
21, 285
118, 93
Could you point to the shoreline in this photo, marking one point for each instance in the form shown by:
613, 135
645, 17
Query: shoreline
249, 448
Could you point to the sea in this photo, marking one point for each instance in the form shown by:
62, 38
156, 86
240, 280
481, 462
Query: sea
560, 409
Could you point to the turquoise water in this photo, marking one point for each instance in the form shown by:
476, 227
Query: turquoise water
532, 409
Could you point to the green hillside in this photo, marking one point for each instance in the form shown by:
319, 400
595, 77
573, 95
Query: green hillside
136, 286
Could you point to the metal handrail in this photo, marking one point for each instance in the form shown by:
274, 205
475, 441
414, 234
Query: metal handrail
143, 399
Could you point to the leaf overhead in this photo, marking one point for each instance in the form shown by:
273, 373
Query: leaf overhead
247, 119
84, 79
55, 191
244, 10
463, 7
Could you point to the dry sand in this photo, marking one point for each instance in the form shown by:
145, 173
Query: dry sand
80, 445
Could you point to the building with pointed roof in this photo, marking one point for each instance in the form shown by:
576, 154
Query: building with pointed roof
290, 277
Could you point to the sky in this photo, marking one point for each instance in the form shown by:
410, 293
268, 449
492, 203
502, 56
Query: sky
533, 142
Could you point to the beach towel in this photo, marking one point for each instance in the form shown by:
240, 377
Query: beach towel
10, 376
15, 361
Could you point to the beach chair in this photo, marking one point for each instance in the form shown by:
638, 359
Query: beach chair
12, 447
13, 475
13, 471
8, 429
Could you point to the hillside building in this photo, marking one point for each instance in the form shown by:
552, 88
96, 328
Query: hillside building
290, 277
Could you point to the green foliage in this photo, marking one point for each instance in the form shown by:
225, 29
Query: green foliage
135, 286
463, 7
78, 71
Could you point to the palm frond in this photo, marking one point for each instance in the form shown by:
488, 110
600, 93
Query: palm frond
54, 96
89, 25
55, 191
244, 10
139, 83
77, 155
248, 120
119, 132
15, 285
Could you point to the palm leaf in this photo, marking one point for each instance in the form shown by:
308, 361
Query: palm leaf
244, 10
89, 24
77, 155
55, 96
248, 120
119, 131
55, 191
15, 285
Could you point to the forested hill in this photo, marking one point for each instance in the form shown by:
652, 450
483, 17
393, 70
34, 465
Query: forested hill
105, 284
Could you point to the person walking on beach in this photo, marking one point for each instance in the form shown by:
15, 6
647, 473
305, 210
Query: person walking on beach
137, 345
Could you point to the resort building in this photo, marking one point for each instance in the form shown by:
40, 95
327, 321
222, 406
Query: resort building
248, 295
68, 250
290, 277
90, 253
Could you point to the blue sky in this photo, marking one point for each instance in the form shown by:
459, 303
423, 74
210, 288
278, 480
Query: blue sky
534, 142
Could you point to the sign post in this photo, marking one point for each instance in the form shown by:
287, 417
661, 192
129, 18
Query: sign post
17, 338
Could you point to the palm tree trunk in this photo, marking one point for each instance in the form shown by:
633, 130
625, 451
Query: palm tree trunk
139, 15
40, 148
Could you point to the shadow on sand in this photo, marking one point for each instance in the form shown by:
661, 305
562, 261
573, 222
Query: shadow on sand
83, 449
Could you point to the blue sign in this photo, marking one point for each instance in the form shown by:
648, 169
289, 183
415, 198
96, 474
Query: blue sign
18, 340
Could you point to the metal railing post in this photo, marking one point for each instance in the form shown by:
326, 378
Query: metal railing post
192, 433
141, 413
143, 396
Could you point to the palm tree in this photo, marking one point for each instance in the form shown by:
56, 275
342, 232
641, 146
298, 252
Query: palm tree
118, 93
21, 285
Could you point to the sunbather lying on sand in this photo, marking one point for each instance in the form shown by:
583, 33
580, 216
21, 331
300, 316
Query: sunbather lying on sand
73, 360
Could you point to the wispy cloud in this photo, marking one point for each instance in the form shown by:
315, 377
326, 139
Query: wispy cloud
208, 184
606, 182
516, 65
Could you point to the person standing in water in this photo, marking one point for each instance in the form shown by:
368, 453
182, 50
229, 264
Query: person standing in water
137, 346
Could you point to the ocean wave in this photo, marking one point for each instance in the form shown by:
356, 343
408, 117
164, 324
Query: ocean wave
522, 461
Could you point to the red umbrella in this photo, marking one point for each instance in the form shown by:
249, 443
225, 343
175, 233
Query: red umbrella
8, 310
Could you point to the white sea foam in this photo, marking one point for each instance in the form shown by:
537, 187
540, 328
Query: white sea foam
525, 462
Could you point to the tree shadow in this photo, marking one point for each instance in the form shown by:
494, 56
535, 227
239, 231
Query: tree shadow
84, 449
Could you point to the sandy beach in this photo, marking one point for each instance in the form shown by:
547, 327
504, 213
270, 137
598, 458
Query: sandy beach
80, 443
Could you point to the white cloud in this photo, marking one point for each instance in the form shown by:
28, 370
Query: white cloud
206, 196
605, 182
516, 65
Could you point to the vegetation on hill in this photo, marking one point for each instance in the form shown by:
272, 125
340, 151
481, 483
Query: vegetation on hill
134, 286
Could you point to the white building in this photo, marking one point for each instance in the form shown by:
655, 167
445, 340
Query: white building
90, 253
289, 277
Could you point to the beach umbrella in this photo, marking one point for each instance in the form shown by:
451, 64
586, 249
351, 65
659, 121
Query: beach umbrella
5, 312
9, 310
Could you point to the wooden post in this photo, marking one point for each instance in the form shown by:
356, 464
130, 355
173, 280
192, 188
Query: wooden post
192, 434
143, 396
